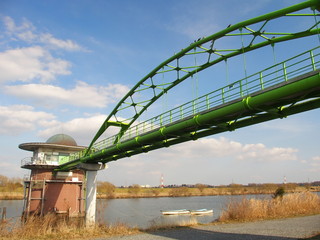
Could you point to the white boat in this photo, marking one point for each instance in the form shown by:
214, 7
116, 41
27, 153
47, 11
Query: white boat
201, 211
175, 212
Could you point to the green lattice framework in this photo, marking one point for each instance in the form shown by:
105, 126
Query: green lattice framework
182, 66
153, 87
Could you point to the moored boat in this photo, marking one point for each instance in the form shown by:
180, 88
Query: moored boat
201, 211
175, 212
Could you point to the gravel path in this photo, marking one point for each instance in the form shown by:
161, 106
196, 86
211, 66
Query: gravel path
283, 229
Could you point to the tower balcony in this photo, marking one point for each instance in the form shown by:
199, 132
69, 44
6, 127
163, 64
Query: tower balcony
32, 162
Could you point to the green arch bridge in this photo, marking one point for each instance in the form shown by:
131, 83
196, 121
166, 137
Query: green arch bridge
285, 88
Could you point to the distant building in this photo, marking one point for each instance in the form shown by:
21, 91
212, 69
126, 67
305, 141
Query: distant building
48, 191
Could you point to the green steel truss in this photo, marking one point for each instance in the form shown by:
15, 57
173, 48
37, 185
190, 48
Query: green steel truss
176, 70
182, 66
287, 88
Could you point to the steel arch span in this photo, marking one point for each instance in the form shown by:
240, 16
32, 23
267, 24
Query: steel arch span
178, 68
242, 37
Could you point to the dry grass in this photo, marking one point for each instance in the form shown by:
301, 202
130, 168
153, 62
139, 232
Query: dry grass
11, 195
51, 227
158, 225
254, 209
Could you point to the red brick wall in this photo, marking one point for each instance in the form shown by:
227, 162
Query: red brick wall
60, 194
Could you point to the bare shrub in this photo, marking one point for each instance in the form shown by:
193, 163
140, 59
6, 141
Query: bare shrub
106, 188
200, 187
134, 189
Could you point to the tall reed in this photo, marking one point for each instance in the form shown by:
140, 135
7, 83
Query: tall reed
256, 209
52, 227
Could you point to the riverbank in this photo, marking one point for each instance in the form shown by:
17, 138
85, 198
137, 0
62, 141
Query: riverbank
139, 192
49, 227
188, 192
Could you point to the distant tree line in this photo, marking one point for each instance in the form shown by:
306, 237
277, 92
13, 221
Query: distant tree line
234, 185
10, 184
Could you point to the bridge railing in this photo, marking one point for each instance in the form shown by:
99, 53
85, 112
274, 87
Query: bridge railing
303, 63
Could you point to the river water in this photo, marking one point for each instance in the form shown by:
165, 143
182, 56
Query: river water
145, 212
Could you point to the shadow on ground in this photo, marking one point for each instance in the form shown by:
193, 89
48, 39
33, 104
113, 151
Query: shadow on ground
317, 237
198, 234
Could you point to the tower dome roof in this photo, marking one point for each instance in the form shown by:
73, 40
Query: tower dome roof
62, 139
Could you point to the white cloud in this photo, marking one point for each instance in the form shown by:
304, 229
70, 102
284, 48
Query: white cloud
16, 119
33, 59
27, 64
83, 94
210, 148
28, 33
289, 125
81, 129
23, 32
316, 158
58, 43
314, 165
259, 152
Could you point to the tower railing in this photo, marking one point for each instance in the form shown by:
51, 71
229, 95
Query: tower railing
37, 161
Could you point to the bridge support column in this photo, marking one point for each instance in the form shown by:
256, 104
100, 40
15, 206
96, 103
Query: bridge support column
91, 191
91, 194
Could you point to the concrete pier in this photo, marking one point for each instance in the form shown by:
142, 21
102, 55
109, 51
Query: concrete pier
91, 191
91, 194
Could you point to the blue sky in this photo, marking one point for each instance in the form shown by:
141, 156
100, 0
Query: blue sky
65, 64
